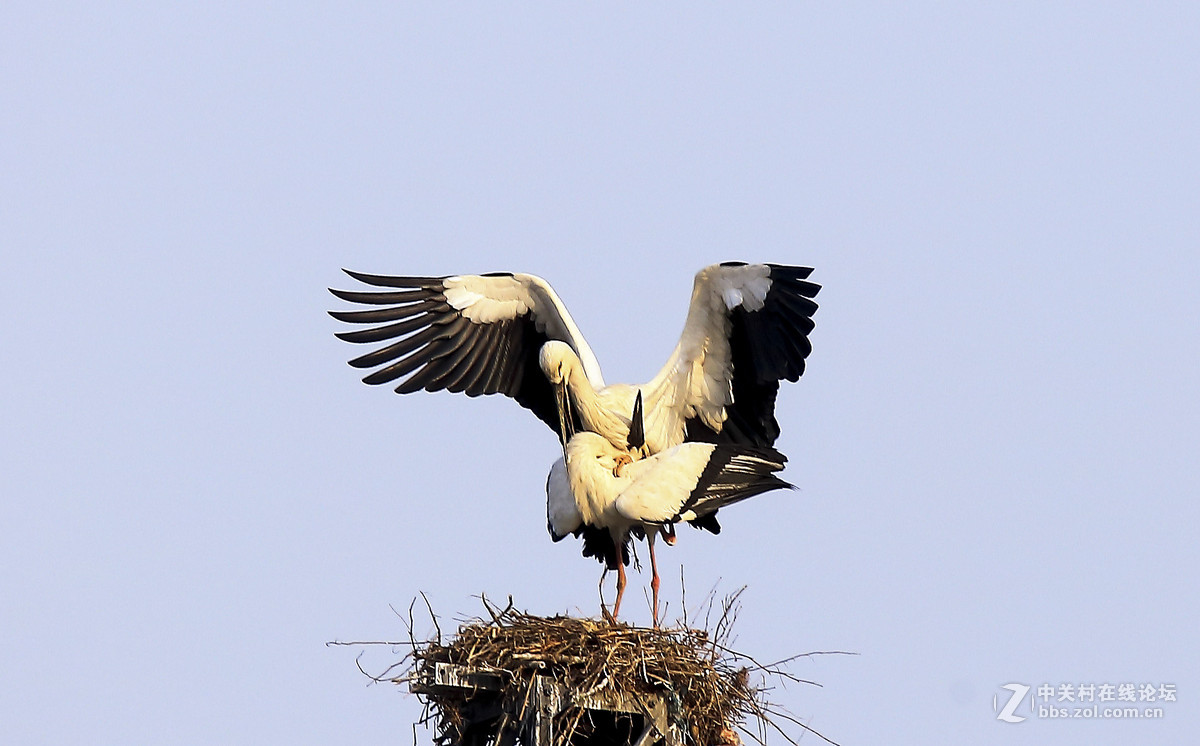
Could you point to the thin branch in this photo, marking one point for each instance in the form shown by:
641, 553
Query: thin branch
763, 717
491, 612
380, 678
810, 729
811, 654
433, 617
760, 667
683, 595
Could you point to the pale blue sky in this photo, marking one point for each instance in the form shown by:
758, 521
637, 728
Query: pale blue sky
995, 440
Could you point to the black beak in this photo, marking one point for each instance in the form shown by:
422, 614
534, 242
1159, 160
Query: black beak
637, 428
566, 423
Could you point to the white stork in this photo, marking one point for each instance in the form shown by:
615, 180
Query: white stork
595, 492
747, 329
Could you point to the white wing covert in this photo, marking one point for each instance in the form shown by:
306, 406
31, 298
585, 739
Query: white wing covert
694, 480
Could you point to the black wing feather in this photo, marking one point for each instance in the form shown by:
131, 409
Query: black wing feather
474, 364
434, 347
733, 473
766, 346
598, 543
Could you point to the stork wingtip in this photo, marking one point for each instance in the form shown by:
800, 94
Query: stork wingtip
637, 427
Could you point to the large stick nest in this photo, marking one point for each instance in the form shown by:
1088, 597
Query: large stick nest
705, 685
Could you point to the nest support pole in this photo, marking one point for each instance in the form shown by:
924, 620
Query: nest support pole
490, 709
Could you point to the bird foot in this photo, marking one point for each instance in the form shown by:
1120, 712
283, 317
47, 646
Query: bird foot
608, 616
621, 459
668, 534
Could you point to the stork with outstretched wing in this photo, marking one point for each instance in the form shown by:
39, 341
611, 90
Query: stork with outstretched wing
746, 330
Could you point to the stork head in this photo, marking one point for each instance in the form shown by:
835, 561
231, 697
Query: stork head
557, 360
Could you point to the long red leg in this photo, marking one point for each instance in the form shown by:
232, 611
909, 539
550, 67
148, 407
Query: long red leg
620, 578
654, 582
600, 587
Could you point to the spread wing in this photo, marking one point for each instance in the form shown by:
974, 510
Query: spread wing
476, 334
747, 329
